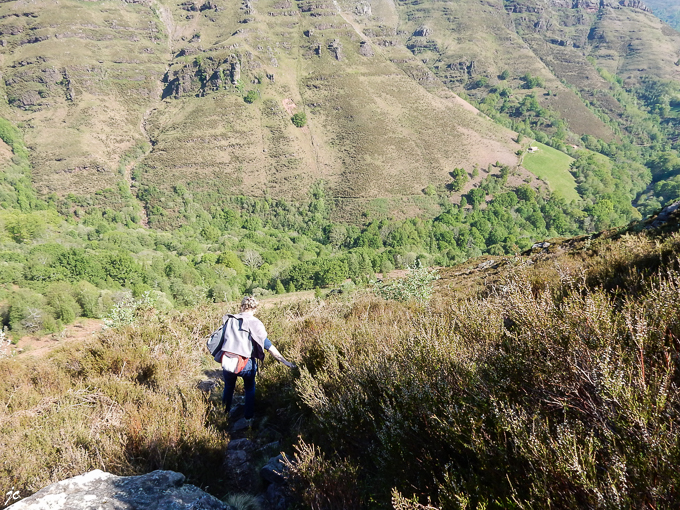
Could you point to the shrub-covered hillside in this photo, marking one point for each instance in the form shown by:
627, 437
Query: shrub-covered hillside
548, 380
61, 258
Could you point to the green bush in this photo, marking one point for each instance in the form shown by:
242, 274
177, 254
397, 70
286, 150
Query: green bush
460, 178
27, 311
87, 296
299, 119
251, 96
222, 292
59, 297
280, 289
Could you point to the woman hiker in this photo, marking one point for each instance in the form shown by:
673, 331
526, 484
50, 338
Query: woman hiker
245, 340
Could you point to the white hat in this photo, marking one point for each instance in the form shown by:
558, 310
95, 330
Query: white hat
249, 303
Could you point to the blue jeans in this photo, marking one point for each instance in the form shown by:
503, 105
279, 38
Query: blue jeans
248, 376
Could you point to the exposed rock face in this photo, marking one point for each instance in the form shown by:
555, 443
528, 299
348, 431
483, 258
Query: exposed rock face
668, 213
363, 8
273, 470
335, 47
365, 49
235, 71
158, 490
635, 4
422, 31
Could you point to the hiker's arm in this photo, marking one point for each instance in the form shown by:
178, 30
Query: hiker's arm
276, 354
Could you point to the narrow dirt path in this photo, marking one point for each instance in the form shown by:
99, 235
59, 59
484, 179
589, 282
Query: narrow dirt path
350, 22
165, 16
80, 330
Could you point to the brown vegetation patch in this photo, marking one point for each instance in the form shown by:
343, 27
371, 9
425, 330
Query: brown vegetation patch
83, 329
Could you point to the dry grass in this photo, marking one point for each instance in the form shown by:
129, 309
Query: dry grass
125, 402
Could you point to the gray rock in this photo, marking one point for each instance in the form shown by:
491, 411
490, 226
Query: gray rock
665, 215
236, 412
275, 498
270, 447
235, 459
422, 31
235, 71
243, 444
158, 490
363, 8
241, 424
207, 385
335, 47
366, 51
30, 98
238, 470
273, 470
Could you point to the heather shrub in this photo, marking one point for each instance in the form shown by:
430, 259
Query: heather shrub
125, 402
556, 386
322, 484
415, 286
529, 397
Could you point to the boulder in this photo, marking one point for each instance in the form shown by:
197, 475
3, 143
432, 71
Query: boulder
665, 215
242, 444
273, 470
366, 51
158, 490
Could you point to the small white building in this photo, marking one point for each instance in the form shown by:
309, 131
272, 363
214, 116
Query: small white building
532, 149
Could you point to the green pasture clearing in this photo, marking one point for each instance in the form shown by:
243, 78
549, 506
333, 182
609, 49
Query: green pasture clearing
552, 166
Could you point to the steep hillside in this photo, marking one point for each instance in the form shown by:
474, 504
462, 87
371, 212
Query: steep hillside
565, 44
101, 87
464, 41
79, 77
520, 372
160, 97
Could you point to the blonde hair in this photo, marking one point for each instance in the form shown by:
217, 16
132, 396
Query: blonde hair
249, 303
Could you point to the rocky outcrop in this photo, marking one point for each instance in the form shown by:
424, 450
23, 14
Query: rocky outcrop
667, 214
273, 470
158, 490
634, 4
235, 71
335, 47
365, 49
205, 73
363, 8
422, 31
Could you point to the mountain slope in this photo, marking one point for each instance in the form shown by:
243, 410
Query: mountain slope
149, 96
93, 82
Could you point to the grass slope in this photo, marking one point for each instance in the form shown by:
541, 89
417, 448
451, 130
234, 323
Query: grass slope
552, 166
92, 81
